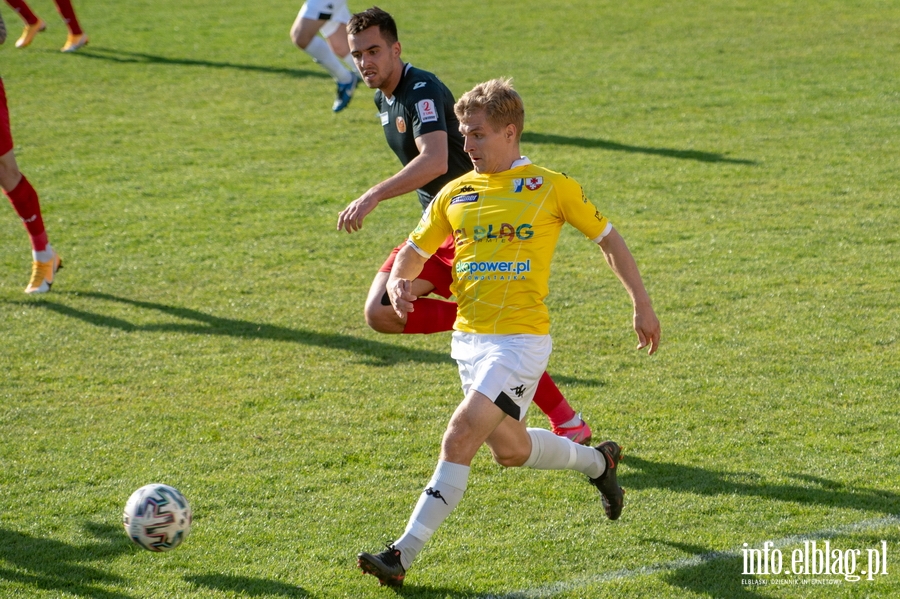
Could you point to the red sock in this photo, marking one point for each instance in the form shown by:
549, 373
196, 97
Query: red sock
550, 400
25, 202
20, 7
68, 14
430, 316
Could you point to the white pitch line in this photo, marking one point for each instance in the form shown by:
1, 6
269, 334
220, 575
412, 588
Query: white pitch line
689, 562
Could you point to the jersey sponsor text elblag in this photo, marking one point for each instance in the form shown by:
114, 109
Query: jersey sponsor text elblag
506, 226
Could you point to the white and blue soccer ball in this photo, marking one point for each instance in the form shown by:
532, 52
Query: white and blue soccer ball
157, 517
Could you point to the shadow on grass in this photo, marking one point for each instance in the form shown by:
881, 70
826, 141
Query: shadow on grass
377, 353
246, 586
603, 144
260, 587
57, 567
644, 474
717, 574
125, 57
411, 591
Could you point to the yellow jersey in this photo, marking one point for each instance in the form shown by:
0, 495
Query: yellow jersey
506, 226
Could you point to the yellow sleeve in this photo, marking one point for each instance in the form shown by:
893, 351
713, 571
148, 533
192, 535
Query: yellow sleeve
578, 210
433, 227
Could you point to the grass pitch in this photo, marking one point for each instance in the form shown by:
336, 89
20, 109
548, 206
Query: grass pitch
206, 330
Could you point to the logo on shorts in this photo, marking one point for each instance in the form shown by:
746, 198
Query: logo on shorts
519, 391
401, 124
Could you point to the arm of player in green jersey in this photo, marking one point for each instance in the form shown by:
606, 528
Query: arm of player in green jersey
430, 164
619, 258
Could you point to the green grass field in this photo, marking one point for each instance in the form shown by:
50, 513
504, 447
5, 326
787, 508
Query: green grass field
207, 328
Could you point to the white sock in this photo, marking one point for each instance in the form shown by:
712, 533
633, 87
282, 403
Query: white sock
321, 52
443, 493
44, 255
551, 452
575, 421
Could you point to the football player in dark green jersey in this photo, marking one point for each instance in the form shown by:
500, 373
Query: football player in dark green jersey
416, 113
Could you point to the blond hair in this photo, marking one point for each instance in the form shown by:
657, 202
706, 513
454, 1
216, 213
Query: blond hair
501, 103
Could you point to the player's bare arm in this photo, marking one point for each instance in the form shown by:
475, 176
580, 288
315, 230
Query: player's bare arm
421, 170
407, 267
619, 258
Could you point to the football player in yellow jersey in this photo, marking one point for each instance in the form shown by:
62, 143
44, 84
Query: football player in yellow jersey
506, 218
415, 109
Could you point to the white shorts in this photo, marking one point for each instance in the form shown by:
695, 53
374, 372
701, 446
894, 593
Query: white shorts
333, 11
505, 368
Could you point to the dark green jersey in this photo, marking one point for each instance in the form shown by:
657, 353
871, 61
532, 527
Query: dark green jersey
421, 104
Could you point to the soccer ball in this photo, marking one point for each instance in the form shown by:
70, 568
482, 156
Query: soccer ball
157, 517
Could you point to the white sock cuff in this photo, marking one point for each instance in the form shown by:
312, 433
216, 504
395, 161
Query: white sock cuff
551, 452
573, 455
537, 447
448, 473
44, 255
419, 530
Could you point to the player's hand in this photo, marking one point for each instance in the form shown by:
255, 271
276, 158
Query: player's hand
351, 217
646, 325
400, 293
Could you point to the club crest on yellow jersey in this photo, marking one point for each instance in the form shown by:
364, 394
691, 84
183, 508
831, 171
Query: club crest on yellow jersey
534, 183
531, 183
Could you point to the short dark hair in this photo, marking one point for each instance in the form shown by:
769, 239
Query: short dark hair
371, 18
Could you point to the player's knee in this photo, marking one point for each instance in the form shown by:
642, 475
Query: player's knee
304, 31
9, 174
383, 319
300, 37
510, 459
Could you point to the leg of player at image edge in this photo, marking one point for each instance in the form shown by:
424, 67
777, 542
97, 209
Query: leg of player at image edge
76, 39
346, 79
46, 261
329, 48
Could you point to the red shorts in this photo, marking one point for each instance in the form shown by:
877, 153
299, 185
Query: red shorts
6, 142
438, 270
